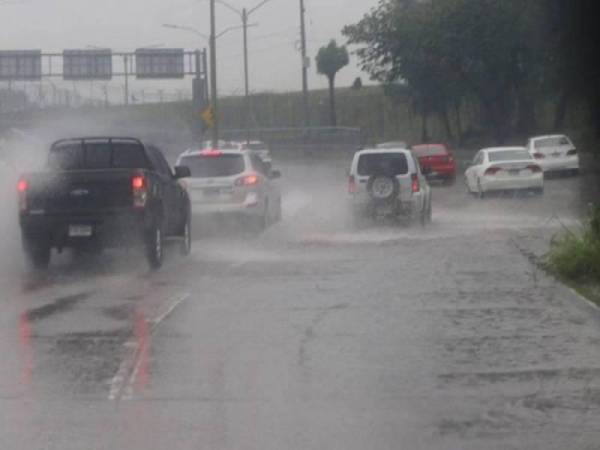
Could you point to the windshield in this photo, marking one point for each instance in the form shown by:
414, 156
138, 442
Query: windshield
552, 142
431, 150
509, 155
391, 164
97, 156
214, 166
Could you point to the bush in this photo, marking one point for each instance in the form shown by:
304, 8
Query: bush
577, 257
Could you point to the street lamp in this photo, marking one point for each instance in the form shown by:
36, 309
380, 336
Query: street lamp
244, 14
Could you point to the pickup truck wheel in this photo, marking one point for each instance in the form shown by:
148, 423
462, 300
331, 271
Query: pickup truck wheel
186, 243
155, 247
37, 254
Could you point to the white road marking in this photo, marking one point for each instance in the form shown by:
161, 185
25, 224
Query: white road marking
121, 385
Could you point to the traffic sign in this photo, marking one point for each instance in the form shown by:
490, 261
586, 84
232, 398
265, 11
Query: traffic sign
87, 64
208, 116
21, 65
159, 63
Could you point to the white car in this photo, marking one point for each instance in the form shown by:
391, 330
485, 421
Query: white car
554, 153
389, 182
502, 169
232, 183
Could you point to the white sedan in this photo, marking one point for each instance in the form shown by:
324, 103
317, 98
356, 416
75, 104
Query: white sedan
554, 153
502, 169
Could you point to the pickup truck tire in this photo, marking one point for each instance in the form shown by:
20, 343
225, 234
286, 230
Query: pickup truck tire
185, 247
155, 246
37, 253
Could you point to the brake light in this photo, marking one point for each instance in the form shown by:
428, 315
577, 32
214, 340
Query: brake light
539, 156
140, 191
22, 187
492, 171
572, 152
534, 168
248, 180
352, 185
416, 185
211, 153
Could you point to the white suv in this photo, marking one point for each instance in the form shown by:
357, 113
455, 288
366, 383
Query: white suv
232, 183
389, 183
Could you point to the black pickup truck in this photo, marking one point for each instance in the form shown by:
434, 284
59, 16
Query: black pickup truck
102, 192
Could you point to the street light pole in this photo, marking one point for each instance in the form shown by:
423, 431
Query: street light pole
213, 75
126, 62
304, 65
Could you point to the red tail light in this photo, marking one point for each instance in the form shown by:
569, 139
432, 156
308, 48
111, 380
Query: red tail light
416, 185
534, 168
539, 156
248, 180
352, 185
22, 187
572, 152
492, 171
211, 153
139, 186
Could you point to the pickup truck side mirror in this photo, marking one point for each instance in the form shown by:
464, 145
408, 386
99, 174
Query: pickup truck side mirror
275, 174
182, 172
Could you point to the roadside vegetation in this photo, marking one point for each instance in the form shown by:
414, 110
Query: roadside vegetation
575, 257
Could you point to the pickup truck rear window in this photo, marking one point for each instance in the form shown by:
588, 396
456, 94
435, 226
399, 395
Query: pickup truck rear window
97, 156
226, 165
392, 164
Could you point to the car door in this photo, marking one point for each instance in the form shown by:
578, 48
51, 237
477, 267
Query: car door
172, 192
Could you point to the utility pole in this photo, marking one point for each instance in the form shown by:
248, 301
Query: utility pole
246, 77
126, 62
304, 65
213, 75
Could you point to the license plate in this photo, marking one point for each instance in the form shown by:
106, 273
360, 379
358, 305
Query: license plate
514, 172
556, 155
212, 192
80, 230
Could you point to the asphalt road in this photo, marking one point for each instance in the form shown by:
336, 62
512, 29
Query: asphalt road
312, 336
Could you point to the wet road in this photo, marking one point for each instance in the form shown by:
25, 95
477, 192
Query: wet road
312, 336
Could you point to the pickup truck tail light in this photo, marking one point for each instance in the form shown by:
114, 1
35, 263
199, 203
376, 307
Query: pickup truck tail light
416, 185
22, 187
139, 185
352, 185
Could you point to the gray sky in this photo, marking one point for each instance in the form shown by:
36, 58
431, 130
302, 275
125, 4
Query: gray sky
52, 25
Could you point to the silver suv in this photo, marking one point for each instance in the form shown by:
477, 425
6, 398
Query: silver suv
233, 183
389, 183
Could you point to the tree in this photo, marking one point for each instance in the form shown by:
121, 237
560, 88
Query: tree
330, 60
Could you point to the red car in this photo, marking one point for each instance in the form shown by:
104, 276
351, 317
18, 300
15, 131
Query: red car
438, 159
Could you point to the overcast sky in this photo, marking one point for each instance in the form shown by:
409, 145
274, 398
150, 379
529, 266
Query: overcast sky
53, 25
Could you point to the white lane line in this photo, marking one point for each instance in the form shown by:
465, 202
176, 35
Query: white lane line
121, 385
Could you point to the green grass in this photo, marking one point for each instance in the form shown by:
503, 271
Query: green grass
575, 257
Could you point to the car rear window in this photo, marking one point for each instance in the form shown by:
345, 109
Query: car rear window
254, 146
391, 164
392, 145
430, 150
552, 142
510, 155
97, 155
214, 166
